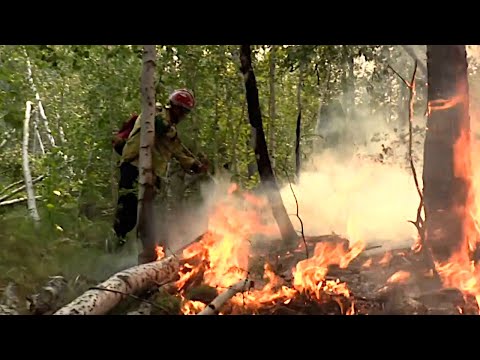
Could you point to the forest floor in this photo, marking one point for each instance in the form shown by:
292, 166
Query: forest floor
378, 281
30, 255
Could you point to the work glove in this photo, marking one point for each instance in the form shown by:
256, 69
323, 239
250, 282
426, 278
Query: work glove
200, 168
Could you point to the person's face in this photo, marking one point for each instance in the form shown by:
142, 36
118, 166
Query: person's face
178, 113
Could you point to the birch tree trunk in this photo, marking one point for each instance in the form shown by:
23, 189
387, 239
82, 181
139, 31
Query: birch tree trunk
37, 133
146, 219
39, 101
32, 206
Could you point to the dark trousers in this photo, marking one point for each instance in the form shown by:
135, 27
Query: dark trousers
126, 214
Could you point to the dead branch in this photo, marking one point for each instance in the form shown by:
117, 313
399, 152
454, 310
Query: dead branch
5, 189
16, 191
17, 201
134, 280
418, 223
400, 76
214, 307
297, 213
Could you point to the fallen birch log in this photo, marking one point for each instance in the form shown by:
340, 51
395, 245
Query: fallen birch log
16, 201
21, 188
108, 294
214, 307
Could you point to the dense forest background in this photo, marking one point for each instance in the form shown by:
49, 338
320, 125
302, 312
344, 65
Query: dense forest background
354, 136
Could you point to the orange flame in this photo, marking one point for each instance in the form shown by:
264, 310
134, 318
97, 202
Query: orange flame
160, 253
385, 260
222, 255
443, 104
191, 307
309, 274
367, 263
399, 277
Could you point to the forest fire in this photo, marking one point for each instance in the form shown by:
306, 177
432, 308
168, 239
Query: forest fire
221, 259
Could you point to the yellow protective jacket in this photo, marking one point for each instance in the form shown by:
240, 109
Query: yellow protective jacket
167, 145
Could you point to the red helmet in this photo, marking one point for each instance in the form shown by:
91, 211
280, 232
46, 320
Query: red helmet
183, 98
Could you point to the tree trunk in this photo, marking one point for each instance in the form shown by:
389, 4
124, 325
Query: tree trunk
32, 206
37, 133
447, 168
235, 141
299, 122
272, 109
39, 101
146, 219
267, 176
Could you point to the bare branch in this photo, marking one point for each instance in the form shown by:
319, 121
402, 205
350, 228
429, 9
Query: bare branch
16, 201
17, 190
400, 76
297, 212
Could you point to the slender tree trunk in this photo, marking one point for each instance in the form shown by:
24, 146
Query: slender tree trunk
146, 219
39, 101
267, 176
299, 122
272, 109
37, 133
32, 206
216, 128
235, 140
447, 167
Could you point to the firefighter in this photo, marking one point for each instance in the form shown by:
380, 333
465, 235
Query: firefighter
167, 145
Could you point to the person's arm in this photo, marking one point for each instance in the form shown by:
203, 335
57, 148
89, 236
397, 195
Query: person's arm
186, 158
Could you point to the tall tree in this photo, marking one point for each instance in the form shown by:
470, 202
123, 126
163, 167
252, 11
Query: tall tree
267, 176
299, 121
146, 218
32, 206
447, 168
271, 108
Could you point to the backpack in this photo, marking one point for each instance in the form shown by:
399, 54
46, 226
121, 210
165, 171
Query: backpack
121, 136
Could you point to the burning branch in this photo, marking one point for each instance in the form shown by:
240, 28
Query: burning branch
214, 307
